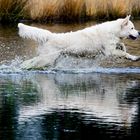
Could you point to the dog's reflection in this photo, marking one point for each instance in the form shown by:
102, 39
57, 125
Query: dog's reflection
100, 95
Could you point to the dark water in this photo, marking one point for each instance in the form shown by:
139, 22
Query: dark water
69, 106
83, 104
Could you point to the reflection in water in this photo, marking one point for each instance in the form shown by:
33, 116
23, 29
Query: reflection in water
69, 106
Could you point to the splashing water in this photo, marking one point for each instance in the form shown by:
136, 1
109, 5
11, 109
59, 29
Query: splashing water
100, 64
11, 66
70, 64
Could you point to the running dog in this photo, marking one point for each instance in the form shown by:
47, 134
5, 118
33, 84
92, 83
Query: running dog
105, 37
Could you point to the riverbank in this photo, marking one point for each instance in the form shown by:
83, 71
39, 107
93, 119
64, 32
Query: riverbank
66, 10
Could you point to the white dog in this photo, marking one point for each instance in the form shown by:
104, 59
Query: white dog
103, 38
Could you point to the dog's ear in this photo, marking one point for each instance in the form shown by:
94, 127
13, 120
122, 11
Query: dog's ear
125, 21
129, 16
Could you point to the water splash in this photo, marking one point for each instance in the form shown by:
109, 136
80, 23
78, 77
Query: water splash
69, 64
11, 66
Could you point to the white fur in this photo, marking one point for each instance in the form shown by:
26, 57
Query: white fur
103, 37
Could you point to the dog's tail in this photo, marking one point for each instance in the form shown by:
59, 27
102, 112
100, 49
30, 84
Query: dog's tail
37, 34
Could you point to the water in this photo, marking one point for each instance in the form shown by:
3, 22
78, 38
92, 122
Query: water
69, 106
79, 99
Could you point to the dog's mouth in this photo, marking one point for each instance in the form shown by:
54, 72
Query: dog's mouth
132, 37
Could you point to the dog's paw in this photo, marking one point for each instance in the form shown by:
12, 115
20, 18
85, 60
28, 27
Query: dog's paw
137, 58
134, 58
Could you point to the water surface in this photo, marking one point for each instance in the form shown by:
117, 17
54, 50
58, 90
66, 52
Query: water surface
69, 106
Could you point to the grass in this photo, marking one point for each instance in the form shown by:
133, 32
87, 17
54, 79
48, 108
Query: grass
11, 10
135, 7
67, 10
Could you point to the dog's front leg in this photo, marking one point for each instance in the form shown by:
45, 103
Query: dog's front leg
121, 53
132, 57
121, 46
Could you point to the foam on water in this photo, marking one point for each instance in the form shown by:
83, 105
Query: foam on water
11, 66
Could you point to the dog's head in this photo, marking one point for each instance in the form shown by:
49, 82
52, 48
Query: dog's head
128, 30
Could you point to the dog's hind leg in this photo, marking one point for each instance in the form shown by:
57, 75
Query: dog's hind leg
40, 62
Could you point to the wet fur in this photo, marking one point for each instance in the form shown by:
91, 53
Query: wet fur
104, 38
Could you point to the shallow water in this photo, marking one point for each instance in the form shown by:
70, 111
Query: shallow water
79, 99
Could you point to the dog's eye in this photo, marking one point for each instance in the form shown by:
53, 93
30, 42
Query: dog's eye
132, 28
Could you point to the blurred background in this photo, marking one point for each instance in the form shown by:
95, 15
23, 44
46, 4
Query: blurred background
66, 10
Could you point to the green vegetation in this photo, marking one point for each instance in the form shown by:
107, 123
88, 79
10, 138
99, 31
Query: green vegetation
67, 10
